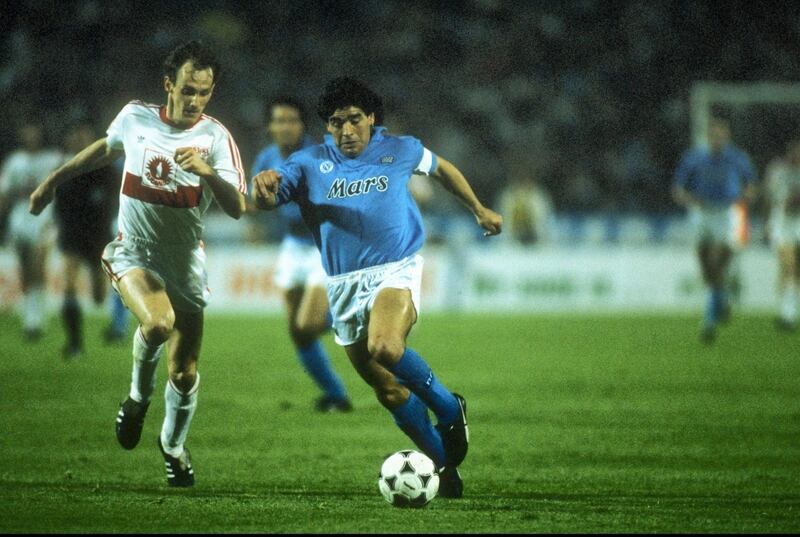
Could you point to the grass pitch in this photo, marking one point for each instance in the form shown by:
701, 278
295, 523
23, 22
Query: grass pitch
605, 424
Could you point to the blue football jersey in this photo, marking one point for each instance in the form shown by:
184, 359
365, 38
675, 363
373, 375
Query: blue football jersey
295, 229
359, 210
718, 179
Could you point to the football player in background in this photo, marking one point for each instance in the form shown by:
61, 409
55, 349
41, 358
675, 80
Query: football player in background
709, 181
298, 271
31, 237
783, 182
177, 160
353, 195
85, 208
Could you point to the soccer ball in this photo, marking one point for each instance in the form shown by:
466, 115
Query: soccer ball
408, 479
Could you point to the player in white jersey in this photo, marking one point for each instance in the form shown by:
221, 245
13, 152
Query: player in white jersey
31, 237
176, 160
783, 181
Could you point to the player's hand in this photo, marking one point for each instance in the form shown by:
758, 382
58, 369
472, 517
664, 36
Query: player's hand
190, 161
41, 198
265, 187
489, 220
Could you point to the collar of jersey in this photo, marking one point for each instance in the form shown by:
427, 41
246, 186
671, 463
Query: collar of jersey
162, 113
377, 136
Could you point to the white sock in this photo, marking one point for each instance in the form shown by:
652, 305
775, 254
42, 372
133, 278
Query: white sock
145, 362
789, 303
32, 309
178, 414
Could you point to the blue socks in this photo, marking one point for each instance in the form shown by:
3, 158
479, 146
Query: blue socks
714, 307
412, 418
414, 372
119, 315
317, 364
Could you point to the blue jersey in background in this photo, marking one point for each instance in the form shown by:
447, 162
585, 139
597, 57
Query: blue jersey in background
295, 229
359, 210
717, 179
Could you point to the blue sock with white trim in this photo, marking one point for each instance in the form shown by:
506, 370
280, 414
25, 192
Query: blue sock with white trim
317, 364
412, 418
416, 374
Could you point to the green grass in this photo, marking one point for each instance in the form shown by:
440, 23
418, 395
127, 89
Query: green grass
579, 424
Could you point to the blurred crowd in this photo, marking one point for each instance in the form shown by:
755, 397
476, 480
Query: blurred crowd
584, 101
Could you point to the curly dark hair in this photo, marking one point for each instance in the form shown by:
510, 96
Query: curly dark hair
200, 55
286, 100
345, 91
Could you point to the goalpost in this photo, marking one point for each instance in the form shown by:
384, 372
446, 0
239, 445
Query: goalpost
704, 95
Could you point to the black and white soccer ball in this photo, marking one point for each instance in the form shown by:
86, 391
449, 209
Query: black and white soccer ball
408, 479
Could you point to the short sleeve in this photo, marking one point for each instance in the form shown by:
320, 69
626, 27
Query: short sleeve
291, 173
227, 162
115, 132
427, 163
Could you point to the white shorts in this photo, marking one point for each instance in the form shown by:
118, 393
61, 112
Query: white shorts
352, 294
715, 224
299, 265
785, 231
25, 228
180, 268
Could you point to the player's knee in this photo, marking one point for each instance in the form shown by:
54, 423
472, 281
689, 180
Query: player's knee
158, 328
386, 351
184, 380
309, 329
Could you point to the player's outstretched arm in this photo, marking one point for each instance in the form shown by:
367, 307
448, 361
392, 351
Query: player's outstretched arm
265, 189
453, 180
94, 156
229, 198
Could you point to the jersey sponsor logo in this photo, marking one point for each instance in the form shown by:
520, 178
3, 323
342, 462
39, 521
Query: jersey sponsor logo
326, 166
159, 171
342, 188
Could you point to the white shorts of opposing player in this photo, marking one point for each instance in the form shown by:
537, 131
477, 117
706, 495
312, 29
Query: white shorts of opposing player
299, 265
352, 294
181, 268
785, 233
28, 231
784, 230
715, 224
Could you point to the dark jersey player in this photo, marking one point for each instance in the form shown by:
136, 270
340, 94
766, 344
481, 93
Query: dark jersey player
84, 210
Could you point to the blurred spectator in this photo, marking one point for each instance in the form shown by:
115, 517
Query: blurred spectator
597, 89
526, 209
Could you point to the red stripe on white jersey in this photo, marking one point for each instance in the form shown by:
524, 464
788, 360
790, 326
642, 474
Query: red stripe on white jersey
107, 269
237, 159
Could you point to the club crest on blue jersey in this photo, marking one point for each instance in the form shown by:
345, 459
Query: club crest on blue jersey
342, 188
326, 166
388, 159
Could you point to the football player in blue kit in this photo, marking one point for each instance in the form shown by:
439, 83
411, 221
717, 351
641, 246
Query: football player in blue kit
298, 272
353, 195
709, 181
